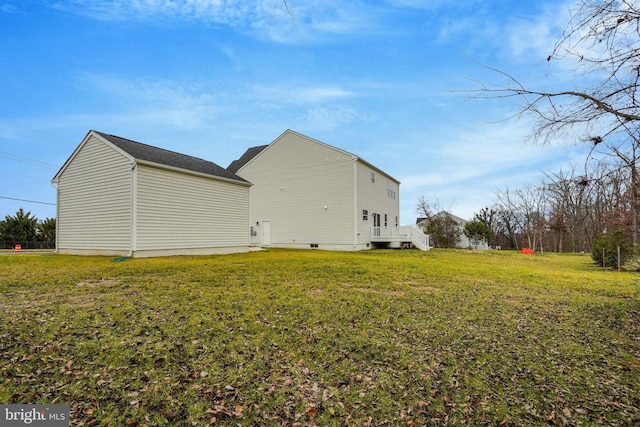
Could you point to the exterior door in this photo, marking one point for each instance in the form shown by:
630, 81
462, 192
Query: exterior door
266, 233
376, 224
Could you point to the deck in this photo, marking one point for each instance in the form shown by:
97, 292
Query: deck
398, 236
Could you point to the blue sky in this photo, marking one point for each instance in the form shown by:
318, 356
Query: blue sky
211, 78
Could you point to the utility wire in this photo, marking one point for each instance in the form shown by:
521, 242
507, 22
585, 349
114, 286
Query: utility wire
28, 201
27, 160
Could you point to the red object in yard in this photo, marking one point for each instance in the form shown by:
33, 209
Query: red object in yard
526, 251
17, 248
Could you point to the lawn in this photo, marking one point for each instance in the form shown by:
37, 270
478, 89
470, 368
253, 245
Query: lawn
285, 337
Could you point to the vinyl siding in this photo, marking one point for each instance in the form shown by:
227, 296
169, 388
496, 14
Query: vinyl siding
373, 197
183, 211
94, 199
294, 179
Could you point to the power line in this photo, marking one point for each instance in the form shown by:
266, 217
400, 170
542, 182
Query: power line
27, 160
28, 201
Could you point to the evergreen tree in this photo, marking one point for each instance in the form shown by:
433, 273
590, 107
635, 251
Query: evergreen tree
47, 230
22, 227
477, 231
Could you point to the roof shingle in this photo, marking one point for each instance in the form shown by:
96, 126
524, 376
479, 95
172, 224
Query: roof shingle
161, 156
245, 158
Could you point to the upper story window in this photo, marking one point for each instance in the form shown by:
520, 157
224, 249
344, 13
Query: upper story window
365, 215
373, 177
391, 190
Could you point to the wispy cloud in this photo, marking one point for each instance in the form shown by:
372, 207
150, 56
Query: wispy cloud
472, 164
9, 8
303, 94
531, 39
468, 155
329, 117
282, 21
526, 36
159, 100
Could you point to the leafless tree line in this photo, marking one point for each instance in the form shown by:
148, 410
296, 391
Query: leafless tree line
566, 211
601, 44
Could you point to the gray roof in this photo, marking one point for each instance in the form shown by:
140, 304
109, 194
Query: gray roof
161, 156
245, 158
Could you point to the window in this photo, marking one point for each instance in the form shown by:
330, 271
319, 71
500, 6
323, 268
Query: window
385, 220
365, 215
396, 220
391, 190
373, 177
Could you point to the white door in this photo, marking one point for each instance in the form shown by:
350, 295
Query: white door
376, 224
266, 233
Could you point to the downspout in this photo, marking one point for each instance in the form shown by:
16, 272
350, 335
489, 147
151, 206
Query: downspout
134, 209
355, 202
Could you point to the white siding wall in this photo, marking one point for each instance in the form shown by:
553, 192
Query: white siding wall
374, 198
293, 181
94, 201
177, 211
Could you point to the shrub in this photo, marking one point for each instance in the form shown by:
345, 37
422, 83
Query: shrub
605, 249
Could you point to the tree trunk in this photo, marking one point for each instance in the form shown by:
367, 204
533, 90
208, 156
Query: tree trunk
634, 202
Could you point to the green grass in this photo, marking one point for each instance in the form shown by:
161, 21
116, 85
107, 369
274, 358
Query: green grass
322, 338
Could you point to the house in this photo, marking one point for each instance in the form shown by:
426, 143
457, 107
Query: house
308, 194
120, 197
457, 232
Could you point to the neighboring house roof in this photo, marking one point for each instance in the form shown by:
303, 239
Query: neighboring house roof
442, 214
457, 219
160, 156
245, 158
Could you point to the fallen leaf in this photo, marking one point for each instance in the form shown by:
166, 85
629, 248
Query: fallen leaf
311, 411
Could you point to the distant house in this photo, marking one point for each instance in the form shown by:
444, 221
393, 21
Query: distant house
462, 241
308, 194
120, 197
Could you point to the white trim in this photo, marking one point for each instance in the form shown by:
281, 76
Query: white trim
55, 185
134, 209
79, 147
356, 213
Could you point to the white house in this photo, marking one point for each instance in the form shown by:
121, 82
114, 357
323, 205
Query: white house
463, 242
120, 197
307, 194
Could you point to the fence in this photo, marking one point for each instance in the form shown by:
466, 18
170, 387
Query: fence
35, 244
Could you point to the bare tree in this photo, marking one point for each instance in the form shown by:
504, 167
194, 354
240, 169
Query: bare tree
528, 204
569, 197
602, 43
